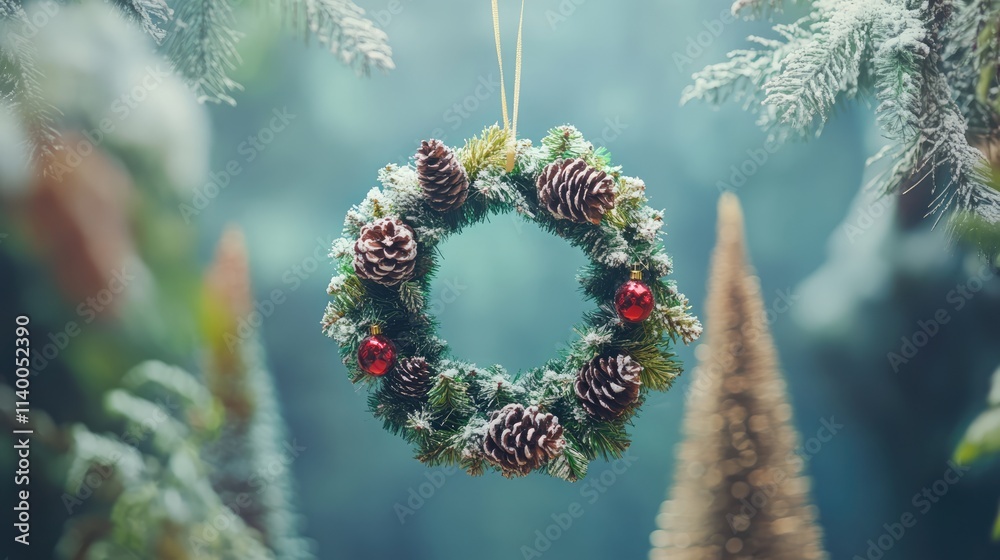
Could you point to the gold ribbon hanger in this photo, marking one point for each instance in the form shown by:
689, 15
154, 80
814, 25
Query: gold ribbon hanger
509, 125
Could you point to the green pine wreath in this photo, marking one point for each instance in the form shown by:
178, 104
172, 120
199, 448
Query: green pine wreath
558, 416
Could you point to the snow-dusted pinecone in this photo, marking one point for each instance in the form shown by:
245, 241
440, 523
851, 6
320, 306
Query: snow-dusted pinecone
386, 251
607, 386
572, 190
519, 440
411, 378
442, 177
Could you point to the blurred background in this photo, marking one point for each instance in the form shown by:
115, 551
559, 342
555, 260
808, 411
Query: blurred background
848, 281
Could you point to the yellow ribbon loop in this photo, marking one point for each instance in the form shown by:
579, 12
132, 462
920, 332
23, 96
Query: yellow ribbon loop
510, 125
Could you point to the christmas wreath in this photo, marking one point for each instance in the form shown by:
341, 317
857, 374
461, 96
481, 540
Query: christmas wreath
558, 416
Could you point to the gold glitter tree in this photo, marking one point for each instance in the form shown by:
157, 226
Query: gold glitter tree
739, 491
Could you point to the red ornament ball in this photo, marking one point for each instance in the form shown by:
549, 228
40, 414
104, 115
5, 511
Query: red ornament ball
634, 301
376, 355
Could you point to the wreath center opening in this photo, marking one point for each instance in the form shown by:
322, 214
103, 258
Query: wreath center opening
521, 278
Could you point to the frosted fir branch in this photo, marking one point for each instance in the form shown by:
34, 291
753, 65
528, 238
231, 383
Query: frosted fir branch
492, 185
570, 465
341, 247
89, 450
20, 80
827, 65
593, 341
741, 79
421, 421
901, 52
907, 53
757, 8
553, 385
566, 142
412, 297
148, 14
679, 320
336, 284
202, 46
941, 159
341, 329
497, 389
142, 415
341, 26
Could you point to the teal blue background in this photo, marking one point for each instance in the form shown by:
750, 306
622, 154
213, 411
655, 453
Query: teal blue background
506, 293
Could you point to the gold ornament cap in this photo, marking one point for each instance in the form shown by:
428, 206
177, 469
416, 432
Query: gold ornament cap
636, 273
375, 330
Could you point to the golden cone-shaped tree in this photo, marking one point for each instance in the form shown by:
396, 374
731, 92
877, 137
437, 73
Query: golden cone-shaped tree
739, 492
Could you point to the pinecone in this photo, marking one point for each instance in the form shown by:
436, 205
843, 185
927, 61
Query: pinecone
519, 440
410, 379
572, 190
607, 386
386, 251
442, 177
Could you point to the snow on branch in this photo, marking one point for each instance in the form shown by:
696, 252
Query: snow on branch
922, 62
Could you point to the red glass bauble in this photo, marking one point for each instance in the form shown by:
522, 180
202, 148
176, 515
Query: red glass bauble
634, 301
376, 355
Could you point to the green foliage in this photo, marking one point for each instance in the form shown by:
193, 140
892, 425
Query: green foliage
484, 151
566, 142
341, 26
154, 484
449, 395
448, 426
20, 84
149, 15
921, 62
203, 47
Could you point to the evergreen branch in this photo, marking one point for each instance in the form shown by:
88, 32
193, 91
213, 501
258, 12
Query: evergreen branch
742, 78
900, 55
448, 394
342, 27
571, 465
148, 14
825, 66
412, 297
21, 89
757, 8
484, 151
202, 47
143, 416
908, 53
